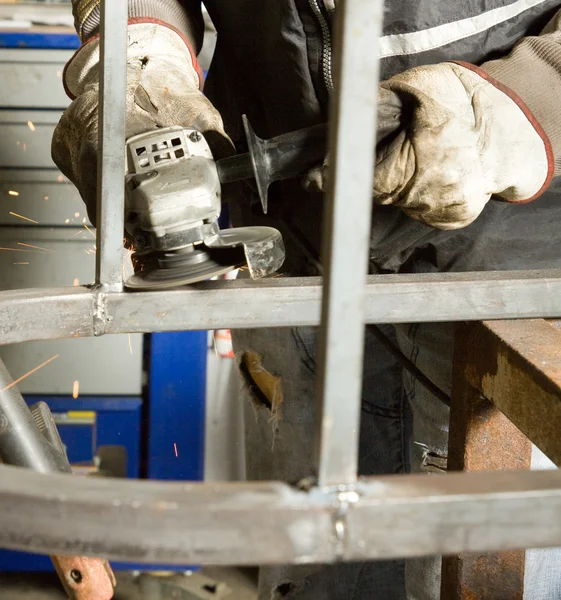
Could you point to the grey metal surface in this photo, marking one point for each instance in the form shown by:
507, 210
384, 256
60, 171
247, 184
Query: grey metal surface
272, 523
62, 256
111, 161
50, 313
33, 78
42, 195
26, 138
346, 235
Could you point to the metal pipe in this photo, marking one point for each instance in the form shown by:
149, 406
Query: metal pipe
21, 442
42, 314
111, 158
273, 523
346, 238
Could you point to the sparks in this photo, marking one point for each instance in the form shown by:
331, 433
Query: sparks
36, 247
10, 385
175, 449
25, 218
46, 198
84, 220
75, 389
130, 344
88, 229
21, 263
13, 193
25, 147
30, 125
76, 214
67, 221
60, 178
17, 250
76, 282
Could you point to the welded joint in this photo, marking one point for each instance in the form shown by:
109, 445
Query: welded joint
101, 316
347, 497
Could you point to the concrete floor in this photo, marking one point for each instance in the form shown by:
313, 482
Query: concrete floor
45, 586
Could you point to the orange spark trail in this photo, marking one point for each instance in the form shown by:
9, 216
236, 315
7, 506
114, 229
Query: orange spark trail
37, 247
29, 373
26, 218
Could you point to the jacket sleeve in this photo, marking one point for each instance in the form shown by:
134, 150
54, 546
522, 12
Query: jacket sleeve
184, 16
531, 75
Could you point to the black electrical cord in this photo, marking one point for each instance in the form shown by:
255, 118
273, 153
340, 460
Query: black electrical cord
408, 365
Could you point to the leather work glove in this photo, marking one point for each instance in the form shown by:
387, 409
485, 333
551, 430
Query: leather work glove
467, 138
389, 120
163, 89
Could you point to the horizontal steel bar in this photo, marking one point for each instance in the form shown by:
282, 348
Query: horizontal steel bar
272, 523
37, 314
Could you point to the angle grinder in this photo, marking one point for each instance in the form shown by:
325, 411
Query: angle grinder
173, 199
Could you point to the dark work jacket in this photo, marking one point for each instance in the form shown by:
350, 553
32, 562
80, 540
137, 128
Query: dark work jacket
268, 65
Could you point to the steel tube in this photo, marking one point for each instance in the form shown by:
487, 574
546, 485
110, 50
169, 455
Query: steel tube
272, 523
111, 159
346, 238
40, 314
21, 442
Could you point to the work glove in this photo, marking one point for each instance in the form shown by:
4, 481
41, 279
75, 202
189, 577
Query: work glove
163, 89
466, 138
388, 121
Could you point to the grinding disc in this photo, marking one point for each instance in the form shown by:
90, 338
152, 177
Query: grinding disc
160, 270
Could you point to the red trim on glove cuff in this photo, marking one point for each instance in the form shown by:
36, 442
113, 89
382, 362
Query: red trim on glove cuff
529, 115
135, 21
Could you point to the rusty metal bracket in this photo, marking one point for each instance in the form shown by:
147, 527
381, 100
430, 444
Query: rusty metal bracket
506, 390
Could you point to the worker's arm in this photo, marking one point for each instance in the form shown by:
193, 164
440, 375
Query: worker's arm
184, 16
474, 132
164, 84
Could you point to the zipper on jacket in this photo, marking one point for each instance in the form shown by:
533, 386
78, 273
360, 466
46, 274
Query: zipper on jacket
323, 17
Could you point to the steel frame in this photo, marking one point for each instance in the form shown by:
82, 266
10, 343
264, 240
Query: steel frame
257, 523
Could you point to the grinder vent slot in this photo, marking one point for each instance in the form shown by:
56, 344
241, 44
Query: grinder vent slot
156, 150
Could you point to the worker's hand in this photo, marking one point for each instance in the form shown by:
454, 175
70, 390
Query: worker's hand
467, 138
163, 89
388, 121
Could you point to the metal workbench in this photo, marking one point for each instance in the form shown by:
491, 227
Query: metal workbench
341, 517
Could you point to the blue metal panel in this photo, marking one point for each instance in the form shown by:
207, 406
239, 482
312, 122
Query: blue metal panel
40, 41
176, 405
117, 422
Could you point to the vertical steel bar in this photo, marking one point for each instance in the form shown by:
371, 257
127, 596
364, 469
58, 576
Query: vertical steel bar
111, 159
346, 238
